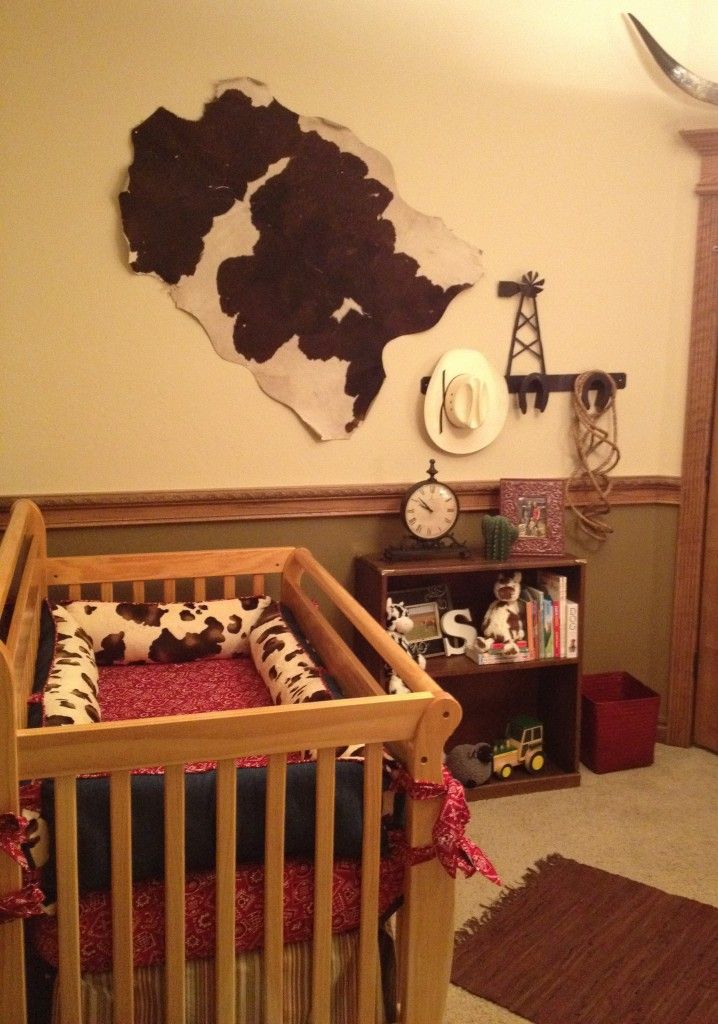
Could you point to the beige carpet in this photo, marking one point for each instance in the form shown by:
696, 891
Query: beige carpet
657, 825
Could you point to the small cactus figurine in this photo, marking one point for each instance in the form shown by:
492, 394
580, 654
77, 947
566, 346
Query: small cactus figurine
499, 535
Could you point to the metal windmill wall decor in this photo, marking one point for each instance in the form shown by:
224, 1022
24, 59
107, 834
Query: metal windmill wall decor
526, 341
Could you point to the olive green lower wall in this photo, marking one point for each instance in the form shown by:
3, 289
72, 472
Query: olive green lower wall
629, 595
629, 577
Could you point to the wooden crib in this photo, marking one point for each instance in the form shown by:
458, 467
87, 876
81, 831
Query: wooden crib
413, 726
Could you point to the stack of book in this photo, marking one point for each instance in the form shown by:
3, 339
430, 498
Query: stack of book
497, 655
551, 618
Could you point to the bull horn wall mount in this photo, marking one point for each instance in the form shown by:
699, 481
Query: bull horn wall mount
526, 338
699, 88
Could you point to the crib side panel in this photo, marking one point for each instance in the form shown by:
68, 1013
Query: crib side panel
71, 751
22, 555
399, 722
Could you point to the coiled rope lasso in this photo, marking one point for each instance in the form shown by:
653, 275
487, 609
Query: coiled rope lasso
597, 452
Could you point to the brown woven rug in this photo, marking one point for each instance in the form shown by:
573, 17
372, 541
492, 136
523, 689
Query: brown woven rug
577, 945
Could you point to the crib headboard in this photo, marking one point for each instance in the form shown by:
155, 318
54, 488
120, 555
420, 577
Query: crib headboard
233, 572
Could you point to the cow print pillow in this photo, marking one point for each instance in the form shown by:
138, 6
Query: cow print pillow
124, 632
290, 672
69, 696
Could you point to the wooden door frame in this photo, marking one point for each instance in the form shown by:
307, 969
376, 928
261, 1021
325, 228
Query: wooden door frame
700, 397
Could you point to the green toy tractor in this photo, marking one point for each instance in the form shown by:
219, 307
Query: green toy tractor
522, 744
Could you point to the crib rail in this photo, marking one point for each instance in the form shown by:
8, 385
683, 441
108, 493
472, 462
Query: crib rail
215, 735
71, 755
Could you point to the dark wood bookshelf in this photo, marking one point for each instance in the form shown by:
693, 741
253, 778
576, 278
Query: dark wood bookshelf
490, 695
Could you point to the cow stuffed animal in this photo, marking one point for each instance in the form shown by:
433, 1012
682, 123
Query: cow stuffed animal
502, 621
398, 625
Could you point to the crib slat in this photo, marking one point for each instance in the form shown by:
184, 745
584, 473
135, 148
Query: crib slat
106, 592
174, 804
229, 586
258, 583
68, 898
138, 590
122, 949
169, 590
368, 924
199, 588
226, 830
323, 870
74, 591
272, 973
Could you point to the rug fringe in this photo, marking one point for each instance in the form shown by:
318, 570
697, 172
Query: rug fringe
467, 931
510, 893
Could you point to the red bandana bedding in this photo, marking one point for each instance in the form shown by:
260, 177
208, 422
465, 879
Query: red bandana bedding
151, 691
148, 912
129, 692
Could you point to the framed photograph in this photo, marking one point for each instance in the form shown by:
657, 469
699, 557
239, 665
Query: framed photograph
425, 606
536, 507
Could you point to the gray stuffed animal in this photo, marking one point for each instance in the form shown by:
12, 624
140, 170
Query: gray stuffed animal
470, 763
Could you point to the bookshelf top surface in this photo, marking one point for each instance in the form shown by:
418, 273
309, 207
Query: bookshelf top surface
474, 562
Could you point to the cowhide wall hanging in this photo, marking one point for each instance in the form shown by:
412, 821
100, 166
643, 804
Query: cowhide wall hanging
284, 236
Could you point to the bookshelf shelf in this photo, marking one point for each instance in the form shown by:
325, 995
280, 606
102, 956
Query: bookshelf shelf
490, 695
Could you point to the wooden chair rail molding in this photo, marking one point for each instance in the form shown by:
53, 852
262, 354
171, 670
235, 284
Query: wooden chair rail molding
156, 507
701, 408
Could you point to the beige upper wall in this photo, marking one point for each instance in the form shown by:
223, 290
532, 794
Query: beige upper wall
540, 133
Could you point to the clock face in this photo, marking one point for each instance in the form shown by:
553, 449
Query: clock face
430, 510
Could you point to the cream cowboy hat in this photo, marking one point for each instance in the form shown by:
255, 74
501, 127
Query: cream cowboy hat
466, 402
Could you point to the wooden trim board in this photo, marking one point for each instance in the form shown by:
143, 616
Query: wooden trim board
700, 390
158, 507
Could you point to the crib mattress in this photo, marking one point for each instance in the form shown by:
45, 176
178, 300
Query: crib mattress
150, 691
